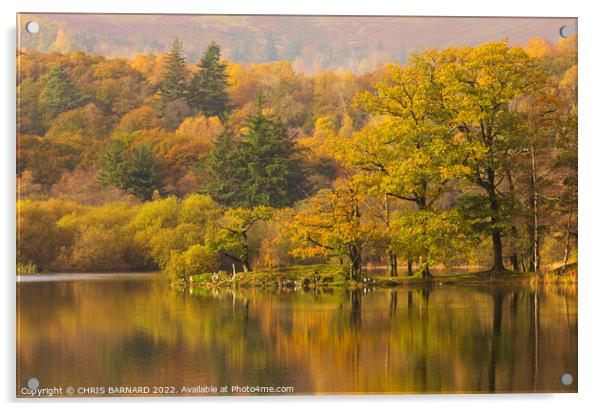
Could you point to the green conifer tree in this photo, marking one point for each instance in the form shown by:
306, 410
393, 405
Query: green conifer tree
173, 83
60, 93
207, 92
226, 170
133, 171
143, 178
275, 174
261, 169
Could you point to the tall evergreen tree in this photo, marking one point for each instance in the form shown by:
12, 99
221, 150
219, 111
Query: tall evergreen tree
60, 93
207, 92
133, 171
275, 175
114, 170
226, 170
173, 83
260, 169
143, 178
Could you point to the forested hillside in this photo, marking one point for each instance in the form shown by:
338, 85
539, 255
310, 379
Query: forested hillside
160, 161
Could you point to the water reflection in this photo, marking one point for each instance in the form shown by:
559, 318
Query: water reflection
436, 339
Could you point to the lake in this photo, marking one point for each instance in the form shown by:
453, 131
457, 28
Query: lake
106, 334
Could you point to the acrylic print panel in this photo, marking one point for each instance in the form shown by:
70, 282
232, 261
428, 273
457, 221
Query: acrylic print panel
292, 205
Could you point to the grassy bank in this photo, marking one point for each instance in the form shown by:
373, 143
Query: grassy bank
321, 275
316, 276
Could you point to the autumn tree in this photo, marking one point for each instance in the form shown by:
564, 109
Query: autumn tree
406, 152
207, 91
566, 162
197, 259
478, 87
437, 236
40, 240
30, 113
544, 168
231, 236
330, 224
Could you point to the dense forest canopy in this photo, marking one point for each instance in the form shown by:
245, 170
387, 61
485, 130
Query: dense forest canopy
459, 156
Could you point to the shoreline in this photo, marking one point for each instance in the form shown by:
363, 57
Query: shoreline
335, 276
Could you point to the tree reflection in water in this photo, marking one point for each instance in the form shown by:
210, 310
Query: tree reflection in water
436, 339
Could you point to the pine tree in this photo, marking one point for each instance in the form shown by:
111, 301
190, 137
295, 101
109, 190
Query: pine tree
207, 92
133, 171
143, 179
260, 169
60, 93
226, 170
275, 175
173, 83
114, 171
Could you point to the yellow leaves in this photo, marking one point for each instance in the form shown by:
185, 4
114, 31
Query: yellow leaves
157, 214
241, 219
538, 47
141, 118
320, 141
199, 209
61, 44
330, 221
568, 83
61, 235
435, 236
87, 121
197, 259
567, 46
235, 74
151, 66
201, 127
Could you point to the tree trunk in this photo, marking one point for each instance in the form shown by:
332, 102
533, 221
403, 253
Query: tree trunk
392, 257
410, 271
536, 258
567, 244
514, 261
513, 229
426, 273
498, 259
392, 264
355, 262
531, 263
246, 264
496, 235
522, 263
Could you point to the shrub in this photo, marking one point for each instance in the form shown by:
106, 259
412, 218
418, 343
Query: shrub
196, 260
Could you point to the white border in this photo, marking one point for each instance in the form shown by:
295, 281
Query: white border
590, 37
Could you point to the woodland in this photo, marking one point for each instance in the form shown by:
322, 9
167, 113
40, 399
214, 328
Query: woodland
457, 158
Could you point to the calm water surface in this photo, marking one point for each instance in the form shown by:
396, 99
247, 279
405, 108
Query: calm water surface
134, 330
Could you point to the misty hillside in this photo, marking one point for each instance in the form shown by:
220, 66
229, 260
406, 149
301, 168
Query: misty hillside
311, 42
